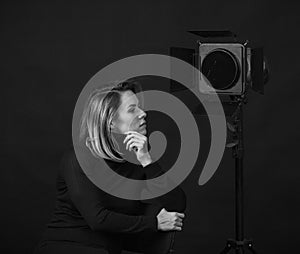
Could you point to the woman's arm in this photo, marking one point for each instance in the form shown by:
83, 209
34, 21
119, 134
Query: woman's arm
88, 199
175, 200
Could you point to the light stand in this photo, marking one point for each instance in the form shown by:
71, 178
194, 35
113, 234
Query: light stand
231, 68
239, 244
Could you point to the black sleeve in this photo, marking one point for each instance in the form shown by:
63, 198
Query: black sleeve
173, 201
88, 200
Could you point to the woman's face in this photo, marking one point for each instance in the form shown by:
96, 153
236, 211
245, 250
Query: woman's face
129, 116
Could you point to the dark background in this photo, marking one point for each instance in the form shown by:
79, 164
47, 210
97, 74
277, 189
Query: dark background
50, 49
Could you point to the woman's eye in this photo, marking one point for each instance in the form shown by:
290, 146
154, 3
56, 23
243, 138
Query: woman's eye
131, 110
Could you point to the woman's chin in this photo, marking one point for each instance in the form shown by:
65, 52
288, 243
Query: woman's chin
142, 130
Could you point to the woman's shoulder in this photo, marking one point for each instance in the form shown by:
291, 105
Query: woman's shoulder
78, 160
69, 162
68, 155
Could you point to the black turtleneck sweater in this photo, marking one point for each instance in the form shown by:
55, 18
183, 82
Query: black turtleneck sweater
86, 215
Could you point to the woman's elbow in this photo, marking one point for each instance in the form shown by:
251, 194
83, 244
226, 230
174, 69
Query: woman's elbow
175, 200
97, 222
181, 200
96, 226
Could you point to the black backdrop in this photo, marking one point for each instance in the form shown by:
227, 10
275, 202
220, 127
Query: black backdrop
50, 49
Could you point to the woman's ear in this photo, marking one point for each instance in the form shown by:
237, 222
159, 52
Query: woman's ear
113, 126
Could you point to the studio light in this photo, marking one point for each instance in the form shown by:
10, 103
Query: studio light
228, 66
222, 65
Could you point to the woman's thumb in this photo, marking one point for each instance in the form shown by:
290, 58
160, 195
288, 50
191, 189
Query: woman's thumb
163, 210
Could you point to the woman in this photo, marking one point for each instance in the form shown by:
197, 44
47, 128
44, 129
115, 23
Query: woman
88, 220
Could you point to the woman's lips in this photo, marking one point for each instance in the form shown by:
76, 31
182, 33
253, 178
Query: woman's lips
143, 125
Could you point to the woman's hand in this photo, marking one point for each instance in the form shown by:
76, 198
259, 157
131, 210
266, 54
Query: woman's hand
139, 144
169, 220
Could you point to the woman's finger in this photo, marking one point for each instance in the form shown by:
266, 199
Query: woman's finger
178, 219
177, 228
131, 141
138, 145
132, 136
131, 132
136, 134
179, 224
181, 215
128, 137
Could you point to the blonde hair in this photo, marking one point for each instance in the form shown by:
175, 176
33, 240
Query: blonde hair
98, 113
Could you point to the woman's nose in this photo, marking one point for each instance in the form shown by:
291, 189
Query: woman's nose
142, 114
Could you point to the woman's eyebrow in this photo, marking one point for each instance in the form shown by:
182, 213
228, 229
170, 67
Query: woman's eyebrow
131, 105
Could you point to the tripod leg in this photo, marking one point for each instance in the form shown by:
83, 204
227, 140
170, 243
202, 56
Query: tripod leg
240, 250
226, 249
251, 249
